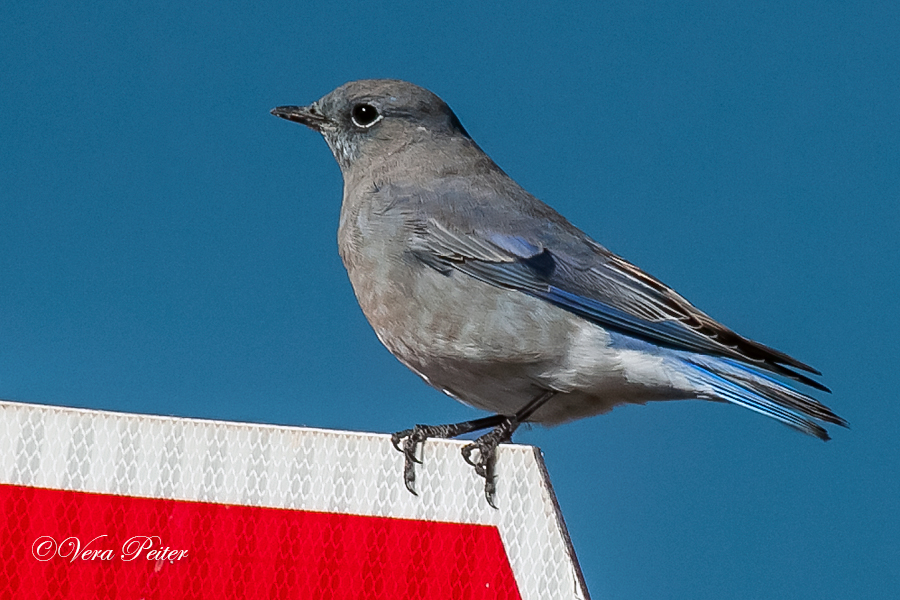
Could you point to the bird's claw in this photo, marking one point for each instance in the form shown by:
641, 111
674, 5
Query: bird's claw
397, 437
467, 454
486, 463
410, 444
411, 439
409, 476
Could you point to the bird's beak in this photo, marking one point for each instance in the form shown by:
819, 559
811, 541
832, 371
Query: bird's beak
307, 115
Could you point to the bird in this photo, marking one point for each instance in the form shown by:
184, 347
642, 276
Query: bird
494, 298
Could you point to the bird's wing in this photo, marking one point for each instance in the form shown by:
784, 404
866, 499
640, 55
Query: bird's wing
559, 264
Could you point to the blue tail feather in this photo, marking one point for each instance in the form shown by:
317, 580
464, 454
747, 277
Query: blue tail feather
745, 387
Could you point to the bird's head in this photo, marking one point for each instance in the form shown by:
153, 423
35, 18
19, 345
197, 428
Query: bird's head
375, 118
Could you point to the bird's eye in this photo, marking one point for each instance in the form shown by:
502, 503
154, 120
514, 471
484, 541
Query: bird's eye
364, 115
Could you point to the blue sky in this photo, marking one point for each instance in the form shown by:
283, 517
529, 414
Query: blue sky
169, 247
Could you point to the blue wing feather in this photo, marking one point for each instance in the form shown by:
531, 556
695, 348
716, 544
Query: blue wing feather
543, 255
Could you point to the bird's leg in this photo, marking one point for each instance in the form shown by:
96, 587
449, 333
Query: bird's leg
487, 444
412, 438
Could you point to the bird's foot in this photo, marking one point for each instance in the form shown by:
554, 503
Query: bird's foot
486, 460
503, 428
409, 440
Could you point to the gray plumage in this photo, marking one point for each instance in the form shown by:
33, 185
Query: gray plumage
496, 299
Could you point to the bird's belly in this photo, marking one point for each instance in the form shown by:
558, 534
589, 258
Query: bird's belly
497, 349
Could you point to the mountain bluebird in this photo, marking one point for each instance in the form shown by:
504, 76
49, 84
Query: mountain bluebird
494, 298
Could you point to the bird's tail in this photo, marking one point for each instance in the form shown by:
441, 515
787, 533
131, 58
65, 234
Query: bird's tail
742, 385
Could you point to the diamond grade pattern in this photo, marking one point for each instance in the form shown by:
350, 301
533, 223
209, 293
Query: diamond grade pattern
268, 512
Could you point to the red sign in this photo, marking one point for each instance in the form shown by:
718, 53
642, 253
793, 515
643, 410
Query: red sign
64, 544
